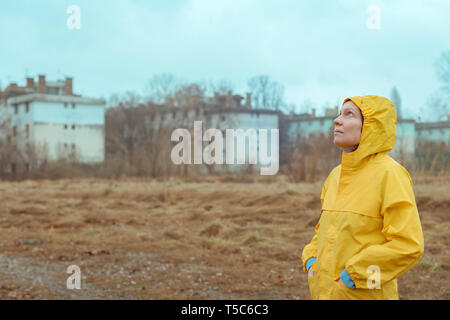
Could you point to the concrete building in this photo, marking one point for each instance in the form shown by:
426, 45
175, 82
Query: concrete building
405, 140
219, 112
54, 121
296, 130
249, 120
438, 132
306, 126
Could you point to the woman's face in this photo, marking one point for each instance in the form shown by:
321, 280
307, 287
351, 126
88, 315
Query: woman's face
348, 126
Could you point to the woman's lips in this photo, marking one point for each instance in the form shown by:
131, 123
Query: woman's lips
337, 131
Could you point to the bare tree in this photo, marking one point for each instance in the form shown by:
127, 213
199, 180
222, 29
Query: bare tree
442, 66
190, 95
306, 106
436, 107
129, 99
289, 108
266, 94
161, 87
113, 100
395, 97
221, 87
5, 141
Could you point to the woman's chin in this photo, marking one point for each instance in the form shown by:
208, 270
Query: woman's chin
343, 147
338, 144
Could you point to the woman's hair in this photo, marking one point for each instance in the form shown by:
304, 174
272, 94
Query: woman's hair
362, 119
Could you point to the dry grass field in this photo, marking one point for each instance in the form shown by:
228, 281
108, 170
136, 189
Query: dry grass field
209, 239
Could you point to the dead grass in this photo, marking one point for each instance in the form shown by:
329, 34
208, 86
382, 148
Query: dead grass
179, 239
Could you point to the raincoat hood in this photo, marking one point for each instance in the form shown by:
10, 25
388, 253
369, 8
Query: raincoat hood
378, 131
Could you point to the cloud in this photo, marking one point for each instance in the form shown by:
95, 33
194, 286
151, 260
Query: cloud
318, 52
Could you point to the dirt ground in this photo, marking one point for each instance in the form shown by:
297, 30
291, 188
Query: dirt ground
209, 239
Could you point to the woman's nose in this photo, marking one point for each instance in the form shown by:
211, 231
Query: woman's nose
337, 121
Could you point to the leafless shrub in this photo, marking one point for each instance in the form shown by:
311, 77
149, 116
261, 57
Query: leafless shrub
432, 158
311, 159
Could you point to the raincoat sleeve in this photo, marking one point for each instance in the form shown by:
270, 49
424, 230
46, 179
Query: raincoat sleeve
402, 229
310, 249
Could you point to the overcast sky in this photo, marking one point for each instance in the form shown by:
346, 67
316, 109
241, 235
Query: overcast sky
323, 51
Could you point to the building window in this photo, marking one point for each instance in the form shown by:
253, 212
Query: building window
65, 104
52, 90
222, 118
27, 130
16, 109
73, 146
73, 127
65, 145
27, 107
173, 114
73, 105
14, 131
65, 126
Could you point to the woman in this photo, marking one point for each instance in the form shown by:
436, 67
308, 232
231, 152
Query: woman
369, 231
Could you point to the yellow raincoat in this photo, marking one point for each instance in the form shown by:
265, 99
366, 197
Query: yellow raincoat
369, 223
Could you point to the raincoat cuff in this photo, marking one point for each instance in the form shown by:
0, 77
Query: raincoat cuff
347, 280
309, 263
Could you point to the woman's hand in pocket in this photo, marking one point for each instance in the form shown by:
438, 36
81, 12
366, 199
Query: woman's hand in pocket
310, 272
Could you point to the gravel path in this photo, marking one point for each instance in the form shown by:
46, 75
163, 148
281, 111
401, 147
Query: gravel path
32, 278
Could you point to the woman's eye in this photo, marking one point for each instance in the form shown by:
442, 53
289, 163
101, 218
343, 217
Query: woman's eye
349, 113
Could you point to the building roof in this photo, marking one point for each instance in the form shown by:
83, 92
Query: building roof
54, 98
211, 109
57, 84
433, 125
405, 120
308, 117
241, 110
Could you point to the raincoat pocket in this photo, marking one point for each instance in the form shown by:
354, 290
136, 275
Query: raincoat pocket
342, 292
